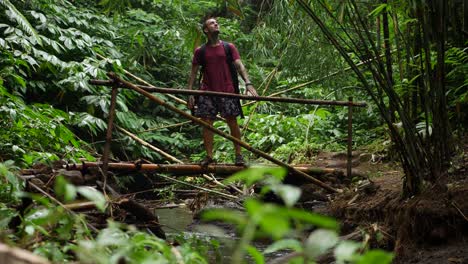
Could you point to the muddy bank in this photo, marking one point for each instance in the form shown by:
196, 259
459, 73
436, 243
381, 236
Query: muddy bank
430, 228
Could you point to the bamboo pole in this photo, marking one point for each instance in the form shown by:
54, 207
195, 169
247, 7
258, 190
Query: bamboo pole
110, 123
195, 168
350, 138
148, 89
219, 132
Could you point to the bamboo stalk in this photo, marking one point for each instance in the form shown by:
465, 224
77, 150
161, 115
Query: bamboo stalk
195, 168
219, 132
110, 123
148, 89
350, 139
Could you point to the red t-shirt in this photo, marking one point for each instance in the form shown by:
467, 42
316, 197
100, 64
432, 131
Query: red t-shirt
216, 75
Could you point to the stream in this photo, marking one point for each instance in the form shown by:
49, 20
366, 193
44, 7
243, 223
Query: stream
179, 221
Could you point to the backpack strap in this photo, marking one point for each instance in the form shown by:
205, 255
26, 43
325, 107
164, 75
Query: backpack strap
201, 60
232, 67
234, 75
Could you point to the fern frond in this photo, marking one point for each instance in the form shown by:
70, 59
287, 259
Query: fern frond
21, 20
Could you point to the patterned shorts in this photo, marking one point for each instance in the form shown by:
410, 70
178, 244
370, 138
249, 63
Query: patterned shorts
210, 106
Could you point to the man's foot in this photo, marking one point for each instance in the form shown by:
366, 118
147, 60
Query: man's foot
239, 160
207, 161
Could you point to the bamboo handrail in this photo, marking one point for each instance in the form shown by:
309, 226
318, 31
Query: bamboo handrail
219, 132
230, 95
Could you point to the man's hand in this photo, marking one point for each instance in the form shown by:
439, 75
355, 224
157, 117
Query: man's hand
250, 89
191, 102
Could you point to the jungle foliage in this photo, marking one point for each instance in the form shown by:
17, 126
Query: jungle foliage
408, 58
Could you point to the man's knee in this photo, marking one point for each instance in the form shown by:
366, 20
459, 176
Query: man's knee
231, 120
207, 120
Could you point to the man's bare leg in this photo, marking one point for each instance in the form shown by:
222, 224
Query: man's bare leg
235, 132
208, 138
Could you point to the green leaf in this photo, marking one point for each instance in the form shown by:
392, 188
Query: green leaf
290, 194
64, 189
378, 10
254, 175
257, 255
22, 21
345, 251
312, 218
284, 244
29, 229
226, 215
94, 196
6, 214
112, 236
319, 242
376, 257
275, 225
40, 217
255, 208
19, 80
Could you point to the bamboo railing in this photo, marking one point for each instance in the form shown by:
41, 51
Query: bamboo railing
230, 95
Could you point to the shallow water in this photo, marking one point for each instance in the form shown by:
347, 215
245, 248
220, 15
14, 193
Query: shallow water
174, 219
179, 221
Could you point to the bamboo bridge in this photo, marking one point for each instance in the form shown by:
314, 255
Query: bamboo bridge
116, 82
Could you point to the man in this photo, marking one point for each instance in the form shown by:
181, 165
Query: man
217, 77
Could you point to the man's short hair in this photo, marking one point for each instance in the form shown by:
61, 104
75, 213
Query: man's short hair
206, 18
